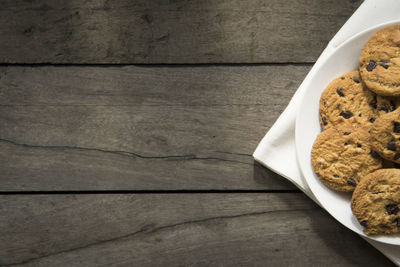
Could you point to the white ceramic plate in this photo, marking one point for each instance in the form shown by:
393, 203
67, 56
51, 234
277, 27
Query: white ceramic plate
342, 60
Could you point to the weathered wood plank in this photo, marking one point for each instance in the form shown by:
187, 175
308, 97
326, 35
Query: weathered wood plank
139, 128
176, 230
141, 31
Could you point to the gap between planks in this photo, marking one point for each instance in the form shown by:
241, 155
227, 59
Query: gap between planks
110, 192
239, 64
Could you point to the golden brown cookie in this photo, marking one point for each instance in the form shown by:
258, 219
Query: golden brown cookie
341, 156
379, 62
347, 101
385, 136
376, 202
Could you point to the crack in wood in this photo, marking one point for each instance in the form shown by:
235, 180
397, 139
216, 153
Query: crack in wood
122, 153
149, 229
234, 153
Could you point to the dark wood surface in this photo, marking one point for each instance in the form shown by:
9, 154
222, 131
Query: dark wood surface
107, 162
176, 31
176, 230
140, 128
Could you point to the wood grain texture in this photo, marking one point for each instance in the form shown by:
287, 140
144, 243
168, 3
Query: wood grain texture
139, 128
180, 31
176, 230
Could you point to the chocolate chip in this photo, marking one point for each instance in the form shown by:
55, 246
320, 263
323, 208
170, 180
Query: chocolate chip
336, 176
346, 133
374, 101
374, 154
339, 92
323, 119
384, 64
338, 106
372, 120
391, 145
392, 105
355, 79
384, 108
396, 156
325, 104
396, 127
397, 221
351, 181
392, 209
358, 145
342, 78
346, 114
371, 65
363, 223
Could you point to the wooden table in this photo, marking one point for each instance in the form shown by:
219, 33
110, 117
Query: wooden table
127, 129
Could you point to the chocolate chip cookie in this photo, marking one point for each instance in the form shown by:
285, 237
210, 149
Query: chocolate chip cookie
341, 156
385, 136
376, 202
379, 62
347, 101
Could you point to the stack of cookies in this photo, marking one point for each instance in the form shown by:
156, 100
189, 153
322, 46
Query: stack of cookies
358, 149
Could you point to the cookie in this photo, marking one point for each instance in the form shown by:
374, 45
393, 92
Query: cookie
341, 156
376, 202
347, 101
379, 62
385, 136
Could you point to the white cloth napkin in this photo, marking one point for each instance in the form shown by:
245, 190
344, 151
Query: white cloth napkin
277, 151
